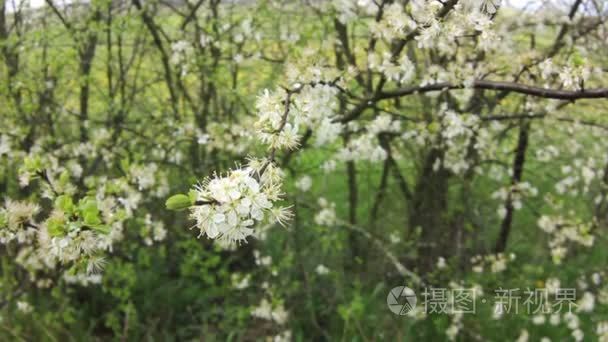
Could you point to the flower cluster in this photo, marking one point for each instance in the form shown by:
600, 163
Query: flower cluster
579, 178
602, 331
265, 310
496, 263
573, 75
456, 315
456, 133
74, 235
563, 231
348, 11
396, 23
180, 52
273, 124
283, 112
362, 148
16, 221
515, 193
315, 107
327, 215
366, 146
401, 71
226, 208
304, 183
152, 231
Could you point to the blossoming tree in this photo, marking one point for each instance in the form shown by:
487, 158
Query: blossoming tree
450, 144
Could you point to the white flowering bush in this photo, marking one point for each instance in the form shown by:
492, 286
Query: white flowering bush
270, 170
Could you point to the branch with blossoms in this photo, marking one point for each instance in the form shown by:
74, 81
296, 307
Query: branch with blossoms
72, 238
227, 207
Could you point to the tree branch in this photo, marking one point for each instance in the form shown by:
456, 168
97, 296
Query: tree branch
509, 86
547, 93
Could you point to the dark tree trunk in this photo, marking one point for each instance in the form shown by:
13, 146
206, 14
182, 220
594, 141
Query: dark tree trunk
429, 211
518, 169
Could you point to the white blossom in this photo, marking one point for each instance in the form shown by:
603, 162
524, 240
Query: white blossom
230, 206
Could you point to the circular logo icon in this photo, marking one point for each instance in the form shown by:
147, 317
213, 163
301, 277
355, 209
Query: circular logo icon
401, 300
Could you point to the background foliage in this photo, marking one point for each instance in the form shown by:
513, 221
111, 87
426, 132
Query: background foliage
466, 149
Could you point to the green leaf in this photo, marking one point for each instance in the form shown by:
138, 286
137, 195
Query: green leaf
577, 59
178, 202
120, 215
434, 127
73, 270
124, 164
32, 164
64, 178
192, 195
88, 206
91, 219
56, 228
64, 203
101, 228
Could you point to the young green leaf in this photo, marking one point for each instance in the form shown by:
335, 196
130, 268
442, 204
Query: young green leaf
178, 202
64, 203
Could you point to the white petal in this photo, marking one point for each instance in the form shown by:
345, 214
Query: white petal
217, 218
212, 231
